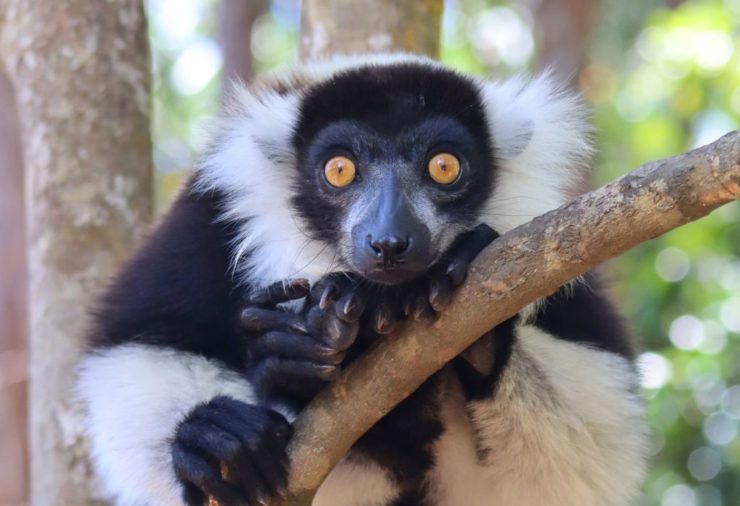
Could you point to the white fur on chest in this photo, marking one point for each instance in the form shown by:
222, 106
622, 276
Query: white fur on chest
563, 429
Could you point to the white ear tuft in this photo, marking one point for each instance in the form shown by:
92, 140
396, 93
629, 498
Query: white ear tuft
541, 137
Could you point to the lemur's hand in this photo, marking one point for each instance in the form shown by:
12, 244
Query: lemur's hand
292, 355
231, 451
426, 296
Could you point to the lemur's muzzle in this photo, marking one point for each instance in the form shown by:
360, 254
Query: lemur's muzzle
391, 245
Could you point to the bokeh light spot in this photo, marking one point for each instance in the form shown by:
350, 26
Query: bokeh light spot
705, 463
679, 495
672, 264
686, 332
730, 314
720, 429
196, 66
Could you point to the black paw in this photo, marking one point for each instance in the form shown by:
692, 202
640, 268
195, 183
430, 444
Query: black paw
294, 354
232, 452
425, 297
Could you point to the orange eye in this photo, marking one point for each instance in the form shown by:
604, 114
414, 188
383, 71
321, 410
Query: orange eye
444, 168
339, 171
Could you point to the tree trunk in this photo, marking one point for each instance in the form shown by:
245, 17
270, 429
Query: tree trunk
81, 71
236, 18
563, 30
350, 26
13, 340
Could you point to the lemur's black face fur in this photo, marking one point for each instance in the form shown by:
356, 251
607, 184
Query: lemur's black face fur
392, 217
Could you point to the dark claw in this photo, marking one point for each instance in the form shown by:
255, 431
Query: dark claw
351, 306
440, 293
422, 311
384, 321
328, 295
339, 334
197, 472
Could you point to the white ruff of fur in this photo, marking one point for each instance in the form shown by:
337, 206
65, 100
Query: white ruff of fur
539, 132
542, 140
136, 396
564, 428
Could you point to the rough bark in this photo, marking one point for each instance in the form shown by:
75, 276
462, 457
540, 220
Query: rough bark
331, 27
13, 341
81, 71
523, 265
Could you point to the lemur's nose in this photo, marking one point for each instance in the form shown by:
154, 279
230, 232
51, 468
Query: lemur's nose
389, 249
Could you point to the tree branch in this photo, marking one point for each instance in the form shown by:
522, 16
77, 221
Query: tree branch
523, 265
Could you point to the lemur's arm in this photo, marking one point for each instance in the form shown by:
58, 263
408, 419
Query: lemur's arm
173, 385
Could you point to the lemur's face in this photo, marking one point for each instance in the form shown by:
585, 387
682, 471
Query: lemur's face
392, 167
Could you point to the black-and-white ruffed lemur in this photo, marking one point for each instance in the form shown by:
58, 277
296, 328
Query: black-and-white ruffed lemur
336, 200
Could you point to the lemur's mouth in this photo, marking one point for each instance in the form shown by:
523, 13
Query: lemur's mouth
394, 274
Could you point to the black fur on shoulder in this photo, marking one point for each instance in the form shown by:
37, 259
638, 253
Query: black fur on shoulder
583, 313
177, 291
580, 313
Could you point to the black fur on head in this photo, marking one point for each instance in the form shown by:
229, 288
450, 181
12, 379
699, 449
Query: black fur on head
390, 120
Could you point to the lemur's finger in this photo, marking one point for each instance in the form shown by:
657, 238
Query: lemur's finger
326, 290
421, 310
223, 445
384, 321
440, 293
330, 329
408, 301
290, 371
474, 241
297, 346
351, 305
259, 320
277, 293
328, 295
273, 470
245, 473
260, 465
457, 271
465, 249
339, 334
195, 470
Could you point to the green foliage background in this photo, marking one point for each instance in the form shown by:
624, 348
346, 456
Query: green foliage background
660, 80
